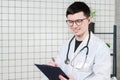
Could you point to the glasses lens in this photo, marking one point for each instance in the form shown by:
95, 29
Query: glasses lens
78, 22
70, 22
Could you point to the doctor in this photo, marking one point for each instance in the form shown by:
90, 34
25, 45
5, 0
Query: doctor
84, 56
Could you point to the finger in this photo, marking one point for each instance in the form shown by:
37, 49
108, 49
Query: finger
52, 63
62, 78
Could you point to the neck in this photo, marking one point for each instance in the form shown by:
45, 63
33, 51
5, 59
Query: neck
82, 36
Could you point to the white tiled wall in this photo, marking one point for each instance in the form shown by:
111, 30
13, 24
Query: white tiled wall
31, 31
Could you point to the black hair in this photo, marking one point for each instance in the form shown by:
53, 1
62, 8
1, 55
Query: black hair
78, 7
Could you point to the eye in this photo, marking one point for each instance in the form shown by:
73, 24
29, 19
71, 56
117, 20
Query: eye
79, 20
69, 21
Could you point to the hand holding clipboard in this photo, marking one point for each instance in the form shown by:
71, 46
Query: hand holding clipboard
51, 72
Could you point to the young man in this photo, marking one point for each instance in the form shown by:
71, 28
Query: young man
84, 56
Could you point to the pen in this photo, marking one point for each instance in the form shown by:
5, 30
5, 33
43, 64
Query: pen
53, 59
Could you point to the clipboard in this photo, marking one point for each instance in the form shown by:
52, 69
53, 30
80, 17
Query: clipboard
51, 72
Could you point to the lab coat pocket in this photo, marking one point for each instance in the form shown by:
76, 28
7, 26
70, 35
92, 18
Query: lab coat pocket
86, 67
81, 62
82, 65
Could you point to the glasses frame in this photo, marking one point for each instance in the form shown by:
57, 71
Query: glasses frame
78, 22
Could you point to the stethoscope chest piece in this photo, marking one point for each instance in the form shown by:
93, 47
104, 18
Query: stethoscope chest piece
67, 61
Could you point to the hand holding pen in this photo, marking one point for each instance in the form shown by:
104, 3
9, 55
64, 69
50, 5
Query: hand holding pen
52, 62
53, 59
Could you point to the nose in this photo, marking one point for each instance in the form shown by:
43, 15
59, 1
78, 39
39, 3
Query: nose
75, 25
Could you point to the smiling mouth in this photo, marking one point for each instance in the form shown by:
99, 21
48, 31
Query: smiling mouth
76, 30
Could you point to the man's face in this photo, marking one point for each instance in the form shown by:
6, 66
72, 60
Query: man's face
78, 23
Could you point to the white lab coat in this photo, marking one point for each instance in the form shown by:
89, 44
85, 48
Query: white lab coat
98, 63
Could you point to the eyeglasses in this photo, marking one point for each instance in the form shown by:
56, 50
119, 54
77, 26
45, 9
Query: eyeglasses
78, 22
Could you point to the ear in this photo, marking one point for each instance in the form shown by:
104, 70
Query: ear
89, 19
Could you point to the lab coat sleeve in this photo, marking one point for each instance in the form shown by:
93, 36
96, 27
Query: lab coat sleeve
61, 55
102, 65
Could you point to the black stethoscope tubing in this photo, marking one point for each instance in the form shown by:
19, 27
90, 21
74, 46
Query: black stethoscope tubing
67, 61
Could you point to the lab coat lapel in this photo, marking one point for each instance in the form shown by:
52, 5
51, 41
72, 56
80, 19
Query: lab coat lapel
72, 46
84, 42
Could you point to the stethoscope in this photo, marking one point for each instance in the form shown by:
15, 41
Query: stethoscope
67, 61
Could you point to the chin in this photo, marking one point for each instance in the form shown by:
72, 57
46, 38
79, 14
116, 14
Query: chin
76, 34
